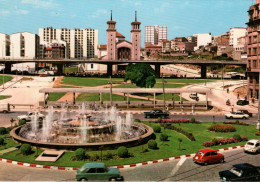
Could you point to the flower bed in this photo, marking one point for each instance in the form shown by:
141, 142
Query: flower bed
236, 122
223, 141
184, 132
178, 121
222, 128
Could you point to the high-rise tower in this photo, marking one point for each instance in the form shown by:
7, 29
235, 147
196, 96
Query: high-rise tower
136, 39
111, 39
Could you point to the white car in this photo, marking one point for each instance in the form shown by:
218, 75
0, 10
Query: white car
252, 146
236, 115
30, 115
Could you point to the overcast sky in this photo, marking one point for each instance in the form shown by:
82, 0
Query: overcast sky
182, 17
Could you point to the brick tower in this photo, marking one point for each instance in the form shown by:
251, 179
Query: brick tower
111, 39
136, 39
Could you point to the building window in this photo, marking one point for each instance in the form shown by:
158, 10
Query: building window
91, 66
254, 63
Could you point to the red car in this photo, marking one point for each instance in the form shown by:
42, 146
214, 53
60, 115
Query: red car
206, 156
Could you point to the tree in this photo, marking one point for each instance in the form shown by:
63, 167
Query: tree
141, 74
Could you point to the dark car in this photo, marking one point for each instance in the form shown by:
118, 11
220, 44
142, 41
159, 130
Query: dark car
246, 112
156, 113
241, 172
242, 102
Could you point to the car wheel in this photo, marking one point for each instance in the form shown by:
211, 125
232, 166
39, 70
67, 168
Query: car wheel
221, 161
206, 163
224, 179
5, 111
112, 179
244, 117
230, 117
83, 179
40, 119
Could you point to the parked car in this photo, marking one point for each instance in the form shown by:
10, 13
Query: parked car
252, 146
236, 115
155, 114
245, 112
30, 115
241, 172
206, 156
194, 96
242, 102
97, 171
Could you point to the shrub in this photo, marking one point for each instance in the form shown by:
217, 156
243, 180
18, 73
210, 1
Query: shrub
187, 134
21, 122
137, 120
257, 133
208, 144
157, 129
163, 137
2, 130
152, 144
237, 137
159, 120
222, 128
80, 154
122, 152
192, 120
108, 156
26, 149
236, 122
244, 138
2, 141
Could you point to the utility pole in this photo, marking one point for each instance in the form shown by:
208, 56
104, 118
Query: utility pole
163, 93
3, 67
258, 118
223, 75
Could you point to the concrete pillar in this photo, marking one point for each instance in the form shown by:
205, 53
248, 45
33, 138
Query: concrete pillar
74, 98
248, 87
154, 101
109, 69
173, 100
100, 98
7, 69
203, 71
181, 100
206, 101
127, 104
60, 69
157, 71
44, 100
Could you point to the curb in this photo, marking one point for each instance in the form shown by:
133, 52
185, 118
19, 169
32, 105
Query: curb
119, 167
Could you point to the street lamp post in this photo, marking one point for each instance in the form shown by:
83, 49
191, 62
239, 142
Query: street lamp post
258, 118
3, 66
110, 82
163, 92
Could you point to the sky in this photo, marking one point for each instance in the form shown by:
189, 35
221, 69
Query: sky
182, 17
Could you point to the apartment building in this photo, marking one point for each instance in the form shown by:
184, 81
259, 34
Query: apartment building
236, 33
4, 45
80, 43
155, 33
253, 50
203, 39
24, 45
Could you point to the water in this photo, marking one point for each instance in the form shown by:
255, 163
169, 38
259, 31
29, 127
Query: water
46, 125
34, 124
83, 125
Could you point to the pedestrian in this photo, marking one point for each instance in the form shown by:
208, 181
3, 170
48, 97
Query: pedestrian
227, 90
166, 108
238, 96
253, 100
232, 108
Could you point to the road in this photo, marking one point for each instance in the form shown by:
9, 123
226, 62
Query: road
176, 170
5, 118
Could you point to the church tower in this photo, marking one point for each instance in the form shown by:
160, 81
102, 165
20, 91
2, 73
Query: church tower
111, 39
136, 39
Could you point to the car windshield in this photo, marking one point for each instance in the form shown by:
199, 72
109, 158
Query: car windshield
82, 169
250, 143
236, 171
200, 153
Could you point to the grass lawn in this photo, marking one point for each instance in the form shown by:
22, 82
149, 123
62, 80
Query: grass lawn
165, 149
6, 79
4, 97
70, 69
8, 142
89, 82
105, 97
55, 96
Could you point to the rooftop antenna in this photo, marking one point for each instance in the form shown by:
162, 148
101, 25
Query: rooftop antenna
111, 15
135, 15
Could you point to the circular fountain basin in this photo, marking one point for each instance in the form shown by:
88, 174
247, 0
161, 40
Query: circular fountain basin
146, 130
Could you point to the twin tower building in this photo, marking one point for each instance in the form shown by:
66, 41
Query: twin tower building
117, 47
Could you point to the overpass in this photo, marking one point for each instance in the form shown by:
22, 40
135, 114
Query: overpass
157, 63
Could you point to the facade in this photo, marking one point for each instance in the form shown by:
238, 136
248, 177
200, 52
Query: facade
55, 51
236, 33
155, 33
182, 44
80, 43
253, 59
24, 46
153, 49
4, 46
239, 51
203, 39
166, 45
